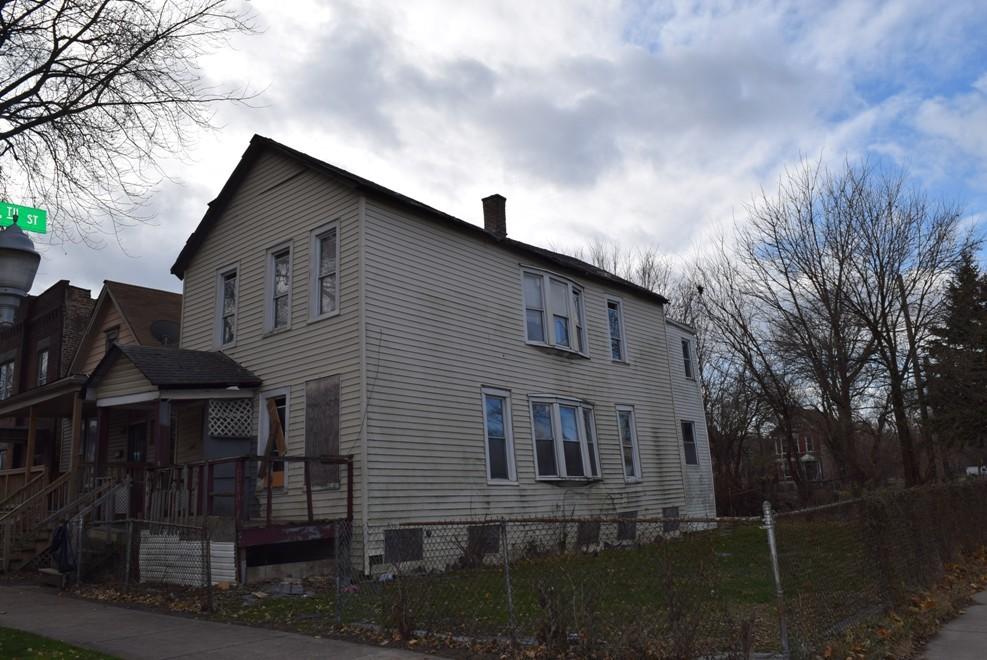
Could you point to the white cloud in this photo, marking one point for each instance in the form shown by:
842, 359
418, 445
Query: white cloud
642, 121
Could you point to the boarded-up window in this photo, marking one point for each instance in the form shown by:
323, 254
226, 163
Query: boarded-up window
483, 539
322, 427
587, 533
627, 527
670, 524
403, 545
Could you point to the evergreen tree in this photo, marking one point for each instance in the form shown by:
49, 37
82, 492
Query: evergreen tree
958, 369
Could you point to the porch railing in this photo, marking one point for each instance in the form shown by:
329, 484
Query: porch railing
236, 487
13, 499
14, 480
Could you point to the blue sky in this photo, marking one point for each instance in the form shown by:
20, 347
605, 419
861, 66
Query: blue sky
642, 122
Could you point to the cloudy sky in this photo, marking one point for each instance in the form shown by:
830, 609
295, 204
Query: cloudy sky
643, 122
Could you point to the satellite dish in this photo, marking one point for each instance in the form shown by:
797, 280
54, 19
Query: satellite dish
165, 332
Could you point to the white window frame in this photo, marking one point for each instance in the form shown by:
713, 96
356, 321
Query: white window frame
624, 358
508, 433
695, 442
556, 402
635, 447
218, 334
314, 295
578, 337
273, 252
263, 424
688, 364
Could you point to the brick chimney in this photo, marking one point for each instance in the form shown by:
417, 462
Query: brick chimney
494, 218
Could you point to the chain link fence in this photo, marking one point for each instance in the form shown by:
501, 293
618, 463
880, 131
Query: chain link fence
783, 585
842, 563
129, 553
619, 587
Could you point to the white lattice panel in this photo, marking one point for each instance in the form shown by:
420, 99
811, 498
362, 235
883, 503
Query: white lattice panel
231, 418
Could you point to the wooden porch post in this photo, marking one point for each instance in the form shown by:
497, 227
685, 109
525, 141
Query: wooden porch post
75, 442
103, 442
162, 433
32, 434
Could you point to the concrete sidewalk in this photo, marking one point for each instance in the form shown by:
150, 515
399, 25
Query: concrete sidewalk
963, 638
128, 633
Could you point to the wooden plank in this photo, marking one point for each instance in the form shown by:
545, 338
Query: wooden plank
76, 437
322, 427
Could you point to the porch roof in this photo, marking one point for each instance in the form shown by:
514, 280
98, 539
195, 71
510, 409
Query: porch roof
53, 399
177, 368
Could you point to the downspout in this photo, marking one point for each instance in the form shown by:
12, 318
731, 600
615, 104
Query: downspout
364, 412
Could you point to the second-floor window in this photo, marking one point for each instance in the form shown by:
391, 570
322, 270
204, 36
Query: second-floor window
111, 335
615, 324
6, 379
565, 439
687, 357
227, 307
279, 289
553, 312
42, 366
324, 282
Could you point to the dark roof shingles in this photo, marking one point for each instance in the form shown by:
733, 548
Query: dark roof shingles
176, 367
259, 142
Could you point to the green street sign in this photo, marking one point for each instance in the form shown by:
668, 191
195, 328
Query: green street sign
28, 219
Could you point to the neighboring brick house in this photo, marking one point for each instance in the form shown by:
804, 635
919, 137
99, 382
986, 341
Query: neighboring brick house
34, 351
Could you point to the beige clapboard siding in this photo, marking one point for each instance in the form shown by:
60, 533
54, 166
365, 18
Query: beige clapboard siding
95, 347
279, 202
444, 318
122, 379
700, 499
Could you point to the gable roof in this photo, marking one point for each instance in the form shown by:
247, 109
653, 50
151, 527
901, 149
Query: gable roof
138, 306
260, 144
179, 367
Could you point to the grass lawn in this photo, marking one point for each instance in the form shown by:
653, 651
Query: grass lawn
17, 644
710, 579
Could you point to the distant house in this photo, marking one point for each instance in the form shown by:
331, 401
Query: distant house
69, 333
35, 352
347, 352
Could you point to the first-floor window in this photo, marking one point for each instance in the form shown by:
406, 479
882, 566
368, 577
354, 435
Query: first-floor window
6, 379
628, 443
689, 443
565, 439
274, 422
499, 436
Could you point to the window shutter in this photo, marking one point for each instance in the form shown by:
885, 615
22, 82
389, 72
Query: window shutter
322, 427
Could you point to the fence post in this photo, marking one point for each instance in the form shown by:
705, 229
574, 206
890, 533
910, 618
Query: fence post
78, 562
339, 581
207, 567
507, 577
769, 526
130, 552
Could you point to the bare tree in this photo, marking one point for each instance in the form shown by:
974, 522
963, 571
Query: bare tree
797, 251
645, 265
744, 329
94, 92
906, 250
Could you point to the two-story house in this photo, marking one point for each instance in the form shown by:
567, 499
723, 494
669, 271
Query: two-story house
35, 353
469, 375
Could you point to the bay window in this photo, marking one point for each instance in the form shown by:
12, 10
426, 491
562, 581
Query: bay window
553, 312
565, 439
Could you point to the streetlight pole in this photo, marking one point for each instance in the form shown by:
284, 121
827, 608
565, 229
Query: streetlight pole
18, 265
